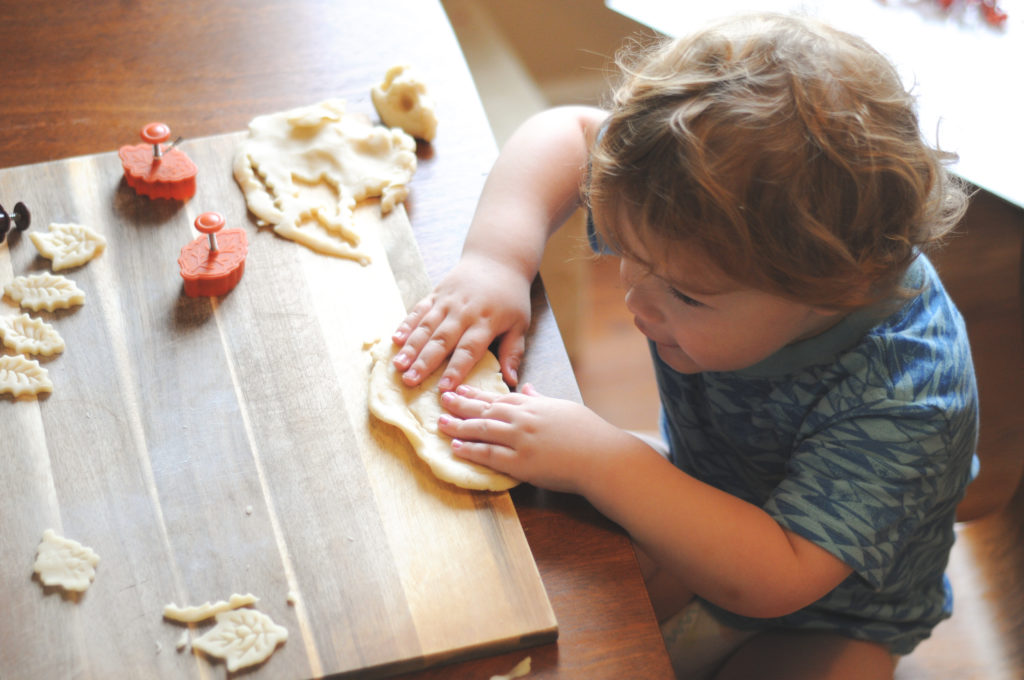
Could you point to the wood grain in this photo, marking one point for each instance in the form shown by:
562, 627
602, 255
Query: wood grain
208, 446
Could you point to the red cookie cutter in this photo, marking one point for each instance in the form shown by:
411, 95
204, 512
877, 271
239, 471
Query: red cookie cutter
213, 265
158, 171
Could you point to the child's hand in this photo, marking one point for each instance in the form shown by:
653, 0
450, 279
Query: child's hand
551, 443
476, 302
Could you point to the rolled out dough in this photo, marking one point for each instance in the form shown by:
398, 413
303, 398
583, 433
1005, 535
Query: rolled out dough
304, 170
415, 411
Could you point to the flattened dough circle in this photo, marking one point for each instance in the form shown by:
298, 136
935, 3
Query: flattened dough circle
415, 411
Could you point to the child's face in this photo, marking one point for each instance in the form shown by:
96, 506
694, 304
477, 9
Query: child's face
700, 321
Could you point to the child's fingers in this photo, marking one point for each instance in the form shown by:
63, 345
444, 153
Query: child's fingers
469, 402
448, 336
464, 402
480, 430
510, 355
417, 338
470, 349
427, 346
412, 320
492, 456
431, 346
470, 393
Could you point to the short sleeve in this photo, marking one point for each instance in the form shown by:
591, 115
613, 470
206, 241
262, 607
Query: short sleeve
862, 486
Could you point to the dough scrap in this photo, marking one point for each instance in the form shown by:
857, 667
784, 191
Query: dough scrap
520, 670
20, 375
303, 171
68, 245
415, 411
402, 101
206, 610
27, 335
64, 562
44, 291
242, 637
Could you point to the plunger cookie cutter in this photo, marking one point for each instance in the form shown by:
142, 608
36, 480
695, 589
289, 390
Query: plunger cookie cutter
213, 265
20, 219
158, 170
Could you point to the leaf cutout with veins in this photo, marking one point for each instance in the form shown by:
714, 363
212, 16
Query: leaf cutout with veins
26, 335
19, 375
68, 245
44, 291
242, 637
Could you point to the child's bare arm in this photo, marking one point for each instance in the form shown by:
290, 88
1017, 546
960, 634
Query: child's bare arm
533, 187
723, 549
726, 550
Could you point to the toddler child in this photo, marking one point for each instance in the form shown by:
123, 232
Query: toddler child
768, 191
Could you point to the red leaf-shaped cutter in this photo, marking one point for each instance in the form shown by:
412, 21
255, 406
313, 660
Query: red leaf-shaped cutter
213, 265
158, 171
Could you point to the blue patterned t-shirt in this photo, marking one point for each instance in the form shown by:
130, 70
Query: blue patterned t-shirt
861, 440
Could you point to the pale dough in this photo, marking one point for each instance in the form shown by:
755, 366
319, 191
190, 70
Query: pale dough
402, 101
242, 637
66, 563
415, 411
303, 171
520, 670
26, 335
206, 610
20, 375
44, 291
68, 245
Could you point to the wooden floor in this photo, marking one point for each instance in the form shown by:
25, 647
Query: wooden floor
612, 364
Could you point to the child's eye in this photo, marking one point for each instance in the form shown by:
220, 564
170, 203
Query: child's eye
685, 299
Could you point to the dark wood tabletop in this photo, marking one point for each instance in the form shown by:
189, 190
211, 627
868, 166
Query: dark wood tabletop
82, 78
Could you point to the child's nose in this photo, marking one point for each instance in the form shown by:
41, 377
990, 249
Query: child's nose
638, 298
639, 303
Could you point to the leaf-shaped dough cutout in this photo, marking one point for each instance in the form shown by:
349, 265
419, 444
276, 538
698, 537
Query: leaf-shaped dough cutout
64, 562
26, 335
44, 291
242, 637
20, 375
68, 245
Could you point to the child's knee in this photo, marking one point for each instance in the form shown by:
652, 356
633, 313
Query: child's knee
697, 643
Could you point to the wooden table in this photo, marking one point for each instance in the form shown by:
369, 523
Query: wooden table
80, 78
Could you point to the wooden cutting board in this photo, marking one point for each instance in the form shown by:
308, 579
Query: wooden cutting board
204, 447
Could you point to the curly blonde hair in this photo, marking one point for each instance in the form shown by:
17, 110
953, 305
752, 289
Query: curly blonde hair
785, 151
